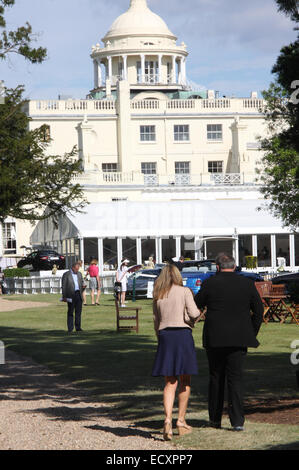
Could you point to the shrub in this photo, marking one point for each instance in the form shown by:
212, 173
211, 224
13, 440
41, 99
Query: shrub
16, 272
251, 262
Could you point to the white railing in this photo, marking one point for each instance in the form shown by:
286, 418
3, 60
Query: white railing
145, 104
200, 106
181, 104
49, 285
226, 178
71, 106
216, 104
151, 180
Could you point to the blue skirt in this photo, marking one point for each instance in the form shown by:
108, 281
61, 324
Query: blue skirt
176, 353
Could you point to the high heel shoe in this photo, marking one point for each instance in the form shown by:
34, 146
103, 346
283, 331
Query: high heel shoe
167, 431
183, 428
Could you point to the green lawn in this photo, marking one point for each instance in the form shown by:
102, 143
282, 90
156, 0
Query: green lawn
116, 368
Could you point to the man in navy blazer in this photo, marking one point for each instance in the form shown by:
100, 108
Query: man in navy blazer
72, 289
233, 319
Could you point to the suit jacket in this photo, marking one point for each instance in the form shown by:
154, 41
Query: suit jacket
230, 299
68, 285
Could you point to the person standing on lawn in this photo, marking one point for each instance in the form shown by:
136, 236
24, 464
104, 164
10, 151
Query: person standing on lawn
122, 280
233, 319
94, 281
175, 314
72, 293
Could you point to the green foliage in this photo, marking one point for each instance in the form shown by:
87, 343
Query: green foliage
251, 262
279, 168
32, 182
16, 272
19, 41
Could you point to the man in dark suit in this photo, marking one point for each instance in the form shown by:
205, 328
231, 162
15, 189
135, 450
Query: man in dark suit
72, 290
233, 319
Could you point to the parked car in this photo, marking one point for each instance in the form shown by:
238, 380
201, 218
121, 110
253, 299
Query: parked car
286, 279
194, 273
142, 278
42, 260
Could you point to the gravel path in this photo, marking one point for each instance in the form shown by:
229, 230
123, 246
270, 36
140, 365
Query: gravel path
40, 411
11, 305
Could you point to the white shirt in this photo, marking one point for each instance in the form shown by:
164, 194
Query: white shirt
75, 278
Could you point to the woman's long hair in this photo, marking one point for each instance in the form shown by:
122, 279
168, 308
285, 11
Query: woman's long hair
170, 275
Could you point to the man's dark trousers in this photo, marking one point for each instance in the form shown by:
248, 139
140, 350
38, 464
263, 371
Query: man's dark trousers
76, 305
226, 362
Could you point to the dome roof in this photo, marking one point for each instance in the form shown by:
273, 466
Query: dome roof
139, 20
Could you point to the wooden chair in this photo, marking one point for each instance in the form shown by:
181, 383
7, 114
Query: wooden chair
120, 317
264, 289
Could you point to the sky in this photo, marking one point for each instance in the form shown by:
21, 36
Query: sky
232, 44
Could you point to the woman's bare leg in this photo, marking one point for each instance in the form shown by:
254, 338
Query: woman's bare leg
169, 396
92, 296
184, 394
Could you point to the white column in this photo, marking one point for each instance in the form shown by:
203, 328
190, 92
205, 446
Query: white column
119, 251
1, 240
180, 70
292, 250
178, 246
125, 65
158, 250
109, 67
183, 72
173, 69
254, 245
100, 78
273, 252
82, 250
142, 56
139, 250
101, 255
160, 68
96, 74
236, 251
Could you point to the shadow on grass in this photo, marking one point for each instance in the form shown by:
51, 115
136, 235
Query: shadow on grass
115, 369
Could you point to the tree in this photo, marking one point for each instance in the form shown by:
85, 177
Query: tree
280, 163
32, 182
19, 41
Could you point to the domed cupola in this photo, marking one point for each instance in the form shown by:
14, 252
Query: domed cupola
139, 20
139, 48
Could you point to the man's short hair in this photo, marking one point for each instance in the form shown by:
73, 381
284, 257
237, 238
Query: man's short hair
74, 263
225, 261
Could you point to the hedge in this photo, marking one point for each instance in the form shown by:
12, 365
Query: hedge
16, 272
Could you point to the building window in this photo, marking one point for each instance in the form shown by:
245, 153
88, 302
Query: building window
182, 168
149, 168
9, 238
215, 167
181, 133
46, 133
214, 132
109, 167
148, 133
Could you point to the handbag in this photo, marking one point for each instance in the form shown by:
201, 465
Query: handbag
117, 287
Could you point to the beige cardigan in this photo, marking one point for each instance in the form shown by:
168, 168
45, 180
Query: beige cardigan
177, 310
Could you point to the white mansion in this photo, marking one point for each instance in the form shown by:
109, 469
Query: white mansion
167, 170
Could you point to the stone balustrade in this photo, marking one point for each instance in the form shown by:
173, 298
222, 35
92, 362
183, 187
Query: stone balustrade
136, 178
196, 106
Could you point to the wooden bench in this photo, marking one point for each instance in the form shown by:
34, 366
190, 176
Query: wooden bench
120, 317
